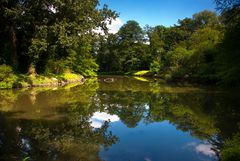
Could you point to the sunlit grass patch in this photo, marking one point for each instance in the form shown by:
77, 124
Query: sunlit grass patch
139, 73
143, 72
71, 76
42, 80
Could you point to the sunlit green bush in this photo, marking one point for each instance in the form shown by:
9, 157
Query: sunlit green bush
155, 66
7, 77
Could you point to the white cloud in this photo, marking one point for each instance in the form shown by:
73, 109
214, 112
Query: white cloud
99, 118
205, 149
96, 124
113, 27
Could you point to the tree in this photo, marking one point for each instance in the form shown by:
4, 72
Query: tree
107, 55
205, 18
124, 51
163, 40
224, 5
229, 57
187, 24
132, 40
131, 32
43, 32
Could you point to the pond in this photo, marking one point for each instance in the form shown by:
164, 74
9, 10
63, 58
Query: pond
116, 119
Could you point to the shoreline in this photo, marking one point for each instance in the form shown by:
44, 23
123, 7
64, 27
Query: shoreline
30, 81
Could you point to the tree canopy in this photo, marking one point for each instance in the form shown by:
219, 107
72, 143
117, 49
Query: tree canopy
51, 35
57, 36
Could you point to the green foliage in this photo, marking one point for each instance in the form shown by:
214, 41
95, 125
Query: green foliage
5, 72
85, 63
205, 18
199, 49
231, 149
53, 36
190, 50
59, 36
42, 81
155, 66
56, 67
229, 57
124, 51
7, 77
187, 51
53, 79
71, 77
131, 32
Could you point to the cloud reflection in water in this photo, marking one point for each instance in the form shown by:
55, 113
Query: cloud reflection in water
205, 149
98, 119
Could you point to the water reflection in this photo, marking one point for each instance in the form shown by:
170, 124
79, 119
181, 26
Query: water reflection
98, 119
127, 119
203, 148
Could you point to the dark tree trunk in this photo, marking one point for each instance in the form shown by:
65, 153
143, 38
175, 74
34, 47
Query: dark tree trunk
13, 44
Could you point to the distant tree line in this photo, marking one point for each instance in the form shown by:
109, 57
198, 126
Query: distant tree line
56, 36
204, 48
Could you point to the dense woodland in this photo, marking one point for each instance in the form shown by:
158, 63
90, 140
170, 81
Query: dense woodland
49, 38
57, 36
203, 49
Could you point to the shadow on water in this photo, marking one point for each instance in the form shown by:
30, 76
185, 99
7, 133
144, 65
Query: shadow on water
84, 122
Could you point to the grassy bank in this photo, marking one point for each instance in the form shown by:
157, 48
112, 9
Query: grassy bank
10, 80
142, 73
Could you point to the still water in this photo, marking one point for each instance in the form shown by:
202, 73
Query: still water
116, 119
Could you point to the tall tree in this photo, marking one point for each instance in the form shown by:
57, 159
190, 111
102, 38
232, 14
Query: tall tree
205, 18
131, 32
43, 32
229, 56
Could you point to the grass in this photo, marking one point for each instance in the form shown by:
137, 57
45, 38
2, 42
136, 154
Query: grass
142, 73
21, 80
41, 80
71, 77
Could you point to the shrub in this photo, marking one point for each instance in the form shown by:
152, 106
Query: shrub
231, 149
56, 66
7, 77
5, 72
155, 66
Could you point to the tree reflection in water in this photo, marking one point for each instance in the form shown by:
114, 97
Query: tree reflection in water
72, 123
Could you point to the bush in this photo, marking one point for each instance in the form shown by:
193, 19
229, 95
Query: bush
5, 72
71, 77
155, 66
56, 66
7, 77
231, 149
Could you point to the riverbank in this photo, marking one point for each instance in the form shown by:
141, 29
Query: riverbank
168, 78
11, 80
142, 73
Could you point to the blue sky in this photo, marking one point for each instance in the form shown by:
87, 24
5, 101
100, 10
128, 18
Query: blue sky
157, 12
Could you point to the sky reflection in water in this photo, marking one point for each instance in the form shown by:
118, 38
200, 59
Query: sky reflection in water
156, 141
124, 120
